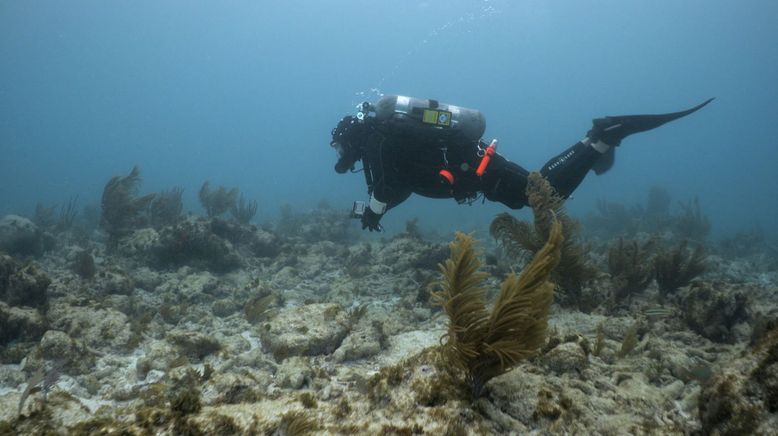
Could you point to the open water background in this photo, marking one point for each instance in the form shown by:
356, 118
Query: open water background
245, 93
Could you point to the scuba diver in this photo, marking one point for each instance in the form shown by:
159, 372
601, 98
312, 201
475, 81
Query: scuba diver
409, 145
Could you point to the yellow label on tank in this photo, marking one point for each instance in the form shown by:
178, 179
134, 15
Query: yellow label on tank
439, 118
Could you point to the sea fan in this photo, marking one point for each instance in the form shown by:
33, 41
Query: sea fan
485, 344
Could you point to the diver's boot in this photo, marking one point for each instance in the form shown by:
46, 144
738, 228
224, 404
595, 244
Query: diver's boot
608, 132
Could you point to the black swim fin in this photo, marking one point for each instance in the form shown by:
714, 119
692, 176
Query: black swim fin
612, 129
630, 124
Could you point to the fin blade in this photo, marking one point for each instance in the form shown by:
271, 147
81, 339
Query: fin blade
641, 123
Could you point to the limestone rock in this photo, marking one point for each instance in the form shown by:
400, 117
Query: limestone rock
305, 331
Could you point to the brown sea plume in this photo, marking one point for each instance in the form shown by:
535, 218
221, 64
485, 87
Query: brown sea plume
483, 344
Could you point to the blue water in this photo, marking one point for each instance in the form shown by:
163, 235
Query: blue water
245, 93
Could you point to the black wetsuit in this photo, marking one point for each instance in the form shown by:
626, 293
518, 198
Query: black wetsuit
398, 165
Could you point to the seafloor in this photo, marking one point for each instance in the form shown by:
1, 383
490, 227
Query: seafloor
209, 326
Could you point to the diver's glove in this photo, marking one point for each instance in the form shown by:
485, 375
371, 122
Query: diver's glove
370, 220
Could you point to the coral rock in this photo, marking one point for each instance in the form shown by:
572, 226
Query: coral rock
194, 344
294, 372
566, 357
713, 312
99, 328
115, 282
22, 285
307, 330
191, 242
139, 243
743, 398
364, 341
19, 235
68, 354
19, 326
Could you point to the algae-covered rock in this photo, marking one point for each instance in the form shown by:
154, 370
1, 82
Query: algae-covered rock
743, 397
139, 243
115, 282
19, 235
194, 344
191, 242
20, 324
566, 357
22, 285
248, 238
98, 328
713, 311
305, 331
407, 253
364, 341
294, 372
20, 330
235, 388
58, 346
157, 355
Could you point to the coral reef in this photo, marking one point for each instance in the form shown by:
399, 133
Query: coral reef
196, 325
483, 344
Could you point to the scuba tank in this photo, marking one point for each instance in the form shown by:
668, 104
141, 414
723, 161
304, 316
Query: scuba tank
409, 115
